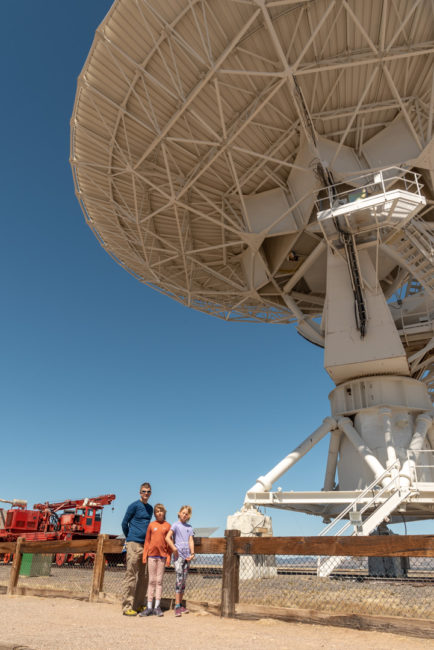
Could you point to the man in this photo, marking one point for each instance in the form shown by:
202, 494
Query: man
134, 526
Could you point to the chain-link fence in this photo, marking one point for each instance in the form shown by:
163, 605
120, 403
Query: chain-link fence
73, 574
203, 582
114, 572
256, 572
5, 568
43, 571
384, 586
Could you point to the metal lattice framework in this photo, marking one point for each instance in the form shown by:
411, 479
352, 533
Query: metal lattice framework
185, 108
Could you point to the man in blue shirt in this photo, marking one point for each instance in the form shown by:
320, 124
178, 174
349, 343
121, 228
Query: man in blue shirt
134, 526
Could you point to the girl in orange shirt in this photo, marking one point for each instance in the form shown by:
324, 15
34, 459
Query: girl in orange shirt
157, 554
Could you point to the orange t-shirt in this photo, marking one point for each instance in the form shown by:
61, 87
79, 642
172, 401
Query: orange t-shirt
155, 541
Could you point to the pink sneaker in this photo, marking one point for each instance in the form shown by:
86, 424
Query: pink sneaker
184, 610
178, 611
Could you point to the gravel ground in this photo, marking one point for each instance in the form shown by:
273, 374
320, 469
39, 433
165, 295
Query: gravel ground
62, 624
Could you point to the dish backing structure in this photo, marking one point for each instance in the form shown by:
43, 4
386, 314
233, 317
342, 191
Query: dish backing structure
273, 161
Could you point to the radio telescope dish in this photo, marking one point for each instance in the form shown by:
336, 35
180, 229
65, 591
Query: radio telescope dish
273, 161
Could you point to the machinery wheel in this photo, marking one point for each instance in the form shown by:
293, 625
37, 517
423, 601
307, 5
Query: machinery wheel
60, 559
89, 559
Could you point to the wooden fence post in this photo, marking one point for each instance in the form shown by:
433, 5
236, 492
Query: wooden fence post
231, 572
15, 569
98, 569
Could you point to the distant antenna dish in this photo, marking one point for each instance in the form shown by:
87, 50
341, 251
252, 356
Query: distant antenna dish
273, 161
205, 532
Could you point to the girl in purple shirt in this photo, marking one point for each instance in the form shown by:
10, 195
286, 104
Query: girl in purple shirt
180, 540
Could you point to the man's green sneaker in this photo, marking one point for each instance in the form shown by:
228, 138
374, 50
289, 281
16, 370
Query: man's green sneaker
130, 612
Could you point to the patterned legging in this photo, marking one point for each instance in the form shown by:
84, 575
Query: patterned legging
155, 573
181, 568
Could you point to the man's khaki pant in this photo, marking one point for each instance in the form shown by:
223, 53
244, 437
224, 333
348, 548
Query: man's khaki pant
135, 581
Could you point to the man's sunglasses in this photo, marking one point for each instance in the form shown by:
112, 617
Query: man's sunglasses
145, 491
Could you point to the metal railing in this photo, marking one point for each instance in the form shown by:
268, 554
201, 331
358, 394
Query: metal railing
370, 184
373, 487
422, 464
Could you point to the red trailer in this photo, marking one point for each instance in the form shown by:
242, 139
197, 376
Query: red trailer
70, 519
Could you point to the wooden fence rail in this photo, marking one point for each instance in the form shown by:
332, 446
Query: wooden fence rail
231, 547
371, 546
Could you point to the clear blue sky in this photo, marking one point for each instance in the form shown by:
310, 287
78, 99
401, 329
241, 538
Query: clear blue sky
104, 382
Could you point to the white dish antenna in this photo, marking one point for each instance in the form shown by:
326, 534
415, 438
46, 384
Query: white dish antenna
205, 532
274, 161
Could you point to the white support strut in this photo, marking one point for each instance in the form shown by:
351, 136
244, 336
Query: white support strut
264, 483
353, 436
335, 440
423, 424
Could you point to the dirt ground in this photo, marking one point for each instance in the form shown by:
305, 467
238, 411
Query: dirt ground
28, 622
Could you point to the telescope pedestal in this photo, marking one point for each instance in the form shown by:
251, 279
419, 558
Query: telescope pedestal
381, 443
252, 523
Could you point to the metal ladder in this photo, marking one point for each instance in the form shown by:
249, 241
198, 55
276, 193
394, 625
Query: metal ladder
420, 234
413, 248
356, 281
395, 496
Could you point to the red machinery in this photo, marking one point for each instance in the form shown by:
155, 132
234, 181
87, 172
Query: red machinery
71, 519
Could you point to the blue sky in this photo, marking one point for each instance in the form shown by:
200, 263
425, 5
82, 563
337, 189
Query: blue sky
104, 382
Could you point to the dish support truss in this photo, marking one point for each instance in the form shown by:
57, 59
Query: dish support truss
380, 464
